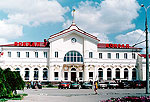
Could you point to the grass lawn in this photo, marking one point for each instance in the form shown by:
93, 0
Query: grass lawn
16, 97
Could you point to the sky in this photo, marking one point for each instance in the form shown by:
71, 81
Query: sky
112, 21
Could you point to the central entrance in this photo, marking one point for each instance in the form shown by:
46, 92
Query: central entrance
73, 74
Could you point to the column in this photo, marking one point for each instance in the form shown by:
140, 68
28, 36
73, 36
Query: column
60, 73
22, 73
40, 74
130, 74
104, 73
85, 73
122, 73
31, 74
113, 73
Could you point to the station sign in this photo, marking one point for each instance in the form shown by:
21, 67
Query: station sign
117, 46
30, 44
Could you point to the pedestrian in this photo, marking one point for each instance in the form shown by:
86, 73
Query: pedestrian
32, 84
27, 85
95, 87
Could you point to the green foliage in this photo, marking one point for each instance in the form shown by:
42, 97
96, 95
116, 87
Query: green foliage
10, 82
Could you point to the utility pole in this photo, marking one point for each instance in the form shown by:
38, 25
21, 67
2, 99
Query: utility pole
147, 53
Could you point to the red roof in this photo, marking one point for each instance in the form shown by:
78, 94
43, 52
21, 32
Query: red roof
74, 29
144, 55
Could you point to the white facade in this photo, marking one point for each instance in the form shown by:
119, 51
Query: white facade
72, 55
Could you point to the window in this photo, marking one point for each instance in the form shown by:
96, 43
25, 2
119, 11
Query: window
117, 73
27, 73
45, 74
56, 75
100, 73
73, 56
36, 74
126, 73
66, 75
109, 55
100, 55
9, 54
27, 54
90, 75
90, 54
18, 54
18, 70
80, 75
117, 55
108, 74
45, 54
133, 74
36, 54
133, 55
125, 55
56, 54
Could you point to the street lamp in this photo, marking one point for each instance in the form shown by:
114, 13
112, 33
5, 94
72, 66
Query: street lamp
147, 53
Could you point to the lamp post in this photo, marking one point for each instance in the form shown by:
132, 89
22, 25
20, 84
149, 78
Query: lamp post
147, 53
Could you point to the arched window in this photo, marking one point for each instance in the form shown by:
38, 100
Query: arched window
27, 73
73, 69
117, 73
36, 74
133, 74
8, 69
126, 73
108, 74
45, 74
17, 70
100, 74
73, 56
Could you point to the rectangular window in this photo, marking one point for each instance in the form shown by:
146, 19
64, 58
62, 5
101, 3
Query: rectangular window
125, 55
100, 55
109, 55
90, 54
56, 75
18, 54
133, 55
90, 75
66, 75
117, 55
56, 54
27, 54
80, 75
45, 54
36, 54
9, 54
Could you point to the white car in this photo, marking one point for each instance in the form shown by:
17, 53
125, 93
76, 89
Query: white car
103, 85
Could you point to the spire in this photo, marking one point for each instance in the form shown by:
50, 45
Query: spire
73, 21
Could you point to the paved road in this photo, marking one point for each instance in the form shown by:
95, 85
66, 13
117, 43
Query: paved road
76, 95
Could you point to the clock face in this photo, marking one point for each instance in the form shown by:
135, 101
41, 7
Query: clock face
73, 40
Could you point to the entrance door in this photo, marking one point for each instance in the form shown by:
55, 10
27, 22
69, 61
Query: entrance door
73, 76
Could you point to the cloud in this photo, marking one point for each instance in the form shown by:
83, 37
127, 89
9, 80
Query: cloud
3, 41
103, 37
132, 38
10, 31
109, 16
33, 12
22, 13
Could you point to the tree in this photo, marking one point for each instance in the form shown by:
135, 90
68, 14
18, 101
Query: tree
10, 82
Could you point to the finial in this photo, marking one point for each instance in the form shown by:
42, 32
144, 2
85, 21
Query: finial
73, 21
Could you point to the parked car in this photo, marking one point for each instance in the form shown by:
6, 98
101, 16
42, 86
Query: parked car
112, 85
86, 85
75, 85
103, 85
65, 85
